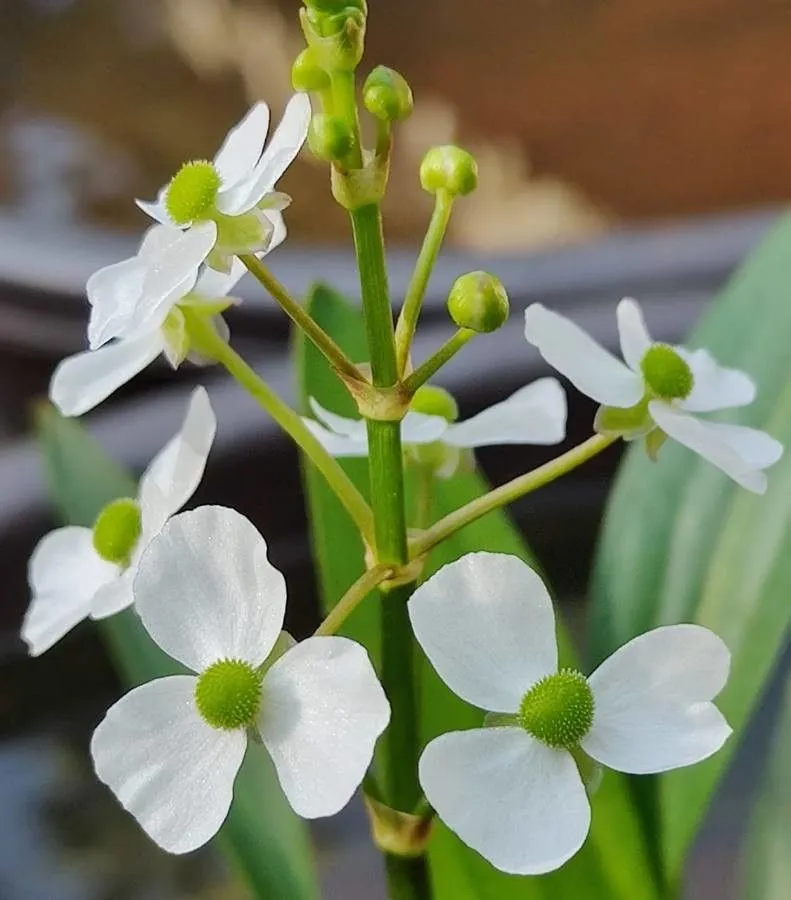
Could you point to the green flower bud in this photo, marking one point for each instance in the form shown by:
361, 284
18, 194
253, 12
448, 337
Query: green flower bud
666, 374
329, 137
450, 169
558, 710
478, 301
228, 694
191, 194
336, 6
117, 530
387, 95
307, 74
434, 401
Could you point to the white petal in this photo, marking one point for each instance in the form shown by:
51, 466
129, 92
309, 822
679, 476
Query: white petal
354, 428
243, 146
739, 451
535, 414
633, 333
285, 144
486, 624
113, 293
714, 386
214, 285
652, 701
167, 767
82, 381
279, 232
322, 712
64, 573
156, 209
114, 596
519, 803
206, 591
337, 444
419, 428
588, 366
174, 474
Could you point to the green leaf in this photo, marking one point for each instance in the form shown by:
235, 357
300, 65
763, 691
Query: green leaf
613, 864
262, 835
767, 869
682, 543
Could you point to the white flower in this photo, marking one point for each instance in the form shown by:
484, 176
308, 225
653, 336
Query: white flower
210, 598
237, 189
660, 386
70, 580
486, 624
535, 414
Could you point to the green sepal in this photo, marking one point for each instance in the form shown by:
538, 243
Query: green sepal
630, 423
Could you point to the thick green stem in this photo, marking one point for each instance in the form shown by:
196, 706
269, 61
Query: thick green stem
212, 345
437, 360
407, 878
507, 493
413, 300
296, 312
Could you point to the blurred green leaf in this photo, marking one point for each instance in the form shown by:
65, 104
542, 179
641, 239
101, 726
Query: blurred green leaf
613, 864
266, 840
682, 543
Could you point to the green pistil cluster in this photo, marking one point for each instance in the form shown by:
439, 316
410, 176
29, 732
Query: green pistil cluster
117, 530
228, 694
558, 710
192, 192
666, 374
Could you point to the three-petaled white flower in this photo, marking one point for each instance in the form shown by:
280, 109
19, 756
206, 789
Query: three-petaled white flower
79, 572
535, 414
237, 189
513, 791
659, 386
170, 750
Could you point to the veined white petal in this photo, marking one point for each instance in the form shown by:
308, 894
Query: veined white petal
114, 596
167, 767
279, 231
714, 386
206, 591
487, 626
113, 293
633, 333
337, 445
64, 573
243, 146
175, 472
588, 366
322, 711
156, 209
286, 142
535, 414
420, 428
353, 428
519, 803
82, 381
739, 451
653, 709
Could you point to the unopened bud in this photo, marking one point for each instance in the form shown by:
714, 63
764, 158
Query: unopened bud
307, 74
449, 168
387, 95
435, 401
336, 6
478, 301
329, 137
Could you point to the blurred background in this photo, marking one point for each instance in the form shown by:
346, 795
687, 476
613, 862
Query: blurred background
625, 147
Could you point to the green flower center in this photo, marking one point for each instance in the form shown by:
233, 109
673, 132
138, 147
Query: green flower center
117, 531
192, 192
666, 374
558, 710
434, 401
228, 694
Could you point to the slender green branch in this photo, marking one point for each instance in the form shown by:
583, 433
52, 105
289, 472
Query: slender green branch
345, 103
437, 360
413, 300
296, 312
508, 492
361, 588
212, 345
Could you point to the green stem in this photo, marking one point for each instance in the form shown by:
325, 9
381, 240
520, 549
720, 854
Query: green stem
413, 300
508, 492
437, 360
296, 312
212, 345
345, 103
361, 588
407, 878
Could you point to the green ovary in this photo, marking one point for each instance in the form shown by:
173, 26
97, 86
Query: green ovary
228, 694
192, 192
558, 710
666, 374
117, 530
